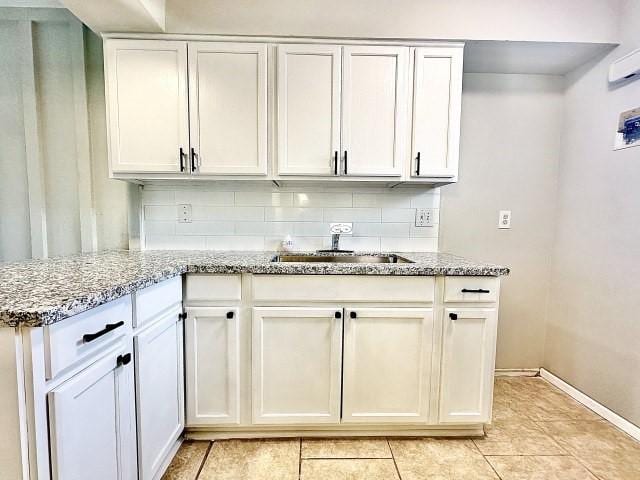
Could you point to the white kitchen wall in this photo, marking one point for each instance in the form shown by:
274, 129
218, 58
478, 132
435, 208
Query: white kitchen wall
250, 216
593, 332
45, 192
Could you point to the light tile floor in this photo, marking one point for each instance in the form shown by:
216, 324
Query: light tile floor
538, 433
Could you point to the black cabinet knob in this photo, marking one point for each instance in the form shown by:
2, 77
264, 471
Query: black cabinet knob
123, 359
353, 314
229, 314
338, 315
453, 316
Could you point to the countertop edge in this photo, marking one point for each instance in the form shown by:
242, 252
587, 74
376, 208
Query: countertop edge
80, 304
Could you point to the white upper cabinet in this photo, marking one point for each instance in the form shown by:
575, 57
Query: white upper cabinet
147, 111
228, 108
315, 110
374, 93
437, 100
308, 116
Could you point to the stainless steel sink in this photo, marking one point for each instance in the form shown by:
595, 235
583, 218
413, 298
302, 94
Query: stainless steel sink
342, 258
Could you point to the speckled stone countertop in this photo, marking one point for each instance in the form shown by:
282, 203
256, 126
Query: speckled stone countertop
42, 292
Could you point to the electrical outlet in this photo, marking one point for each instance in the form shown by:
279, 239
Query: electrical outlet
184, 213
504, 220
424, 217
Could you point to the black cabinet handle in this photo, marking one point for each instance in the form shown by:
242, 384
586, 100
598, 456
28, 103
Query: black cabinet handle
338, 315
123, 359
181, 159
453, 316
418, 165
90, 337
345, 162
229, 314
193, 159
182, 316
335, 162
353, 314
474, 290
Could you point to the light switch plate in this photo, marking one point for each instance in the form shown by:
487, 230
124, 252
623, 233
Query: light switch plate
424, 217
184, 213
504, 219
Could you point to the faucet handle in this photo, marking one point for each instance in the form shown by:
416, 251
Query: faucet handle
342, 228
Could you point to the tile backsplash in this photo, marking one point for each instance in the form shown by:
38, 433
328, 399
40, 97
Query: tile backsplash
256, 216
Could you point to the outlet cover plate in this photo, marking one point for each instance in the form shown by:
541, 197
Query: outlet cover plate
424, 217
504, 220
184, 213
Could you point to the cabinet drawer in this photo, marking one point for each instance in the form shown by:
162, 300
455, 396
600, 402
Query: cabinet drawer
471, 289
202, 288
342, 288
76, 339
155, 299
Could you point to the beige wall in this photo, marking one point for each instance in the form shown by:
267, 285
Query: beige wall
535, 20
511, 131
111, 197
593, 335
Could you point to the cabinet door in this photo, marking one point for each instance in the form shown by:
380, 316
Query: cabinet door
387, 365
296, 365
468, 357
308, 109
212, 365
228, 107
147, 105
159, 391
374, 110
91, 423
437, 99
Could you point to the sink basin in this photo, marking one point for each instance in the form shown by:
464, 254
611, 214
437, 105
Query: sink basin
342, 258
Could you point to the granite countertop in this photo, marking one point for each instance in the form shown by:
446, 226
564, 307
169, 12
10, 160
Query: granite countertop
42, 292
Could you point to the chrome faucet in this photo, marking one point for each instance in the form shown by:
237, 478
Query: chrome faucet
335, 241
336, 230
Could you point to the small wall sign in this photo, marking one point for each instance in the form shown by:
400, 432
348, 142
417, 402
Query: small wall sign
628, 133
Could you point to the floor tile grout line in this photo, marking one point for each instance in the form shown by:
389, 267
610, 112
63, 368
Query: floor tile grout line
300, 460
491, 466
204, 459
393, 457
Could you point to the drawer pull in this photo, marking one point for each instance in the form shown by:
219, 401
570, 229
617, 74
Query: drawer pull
123, 359
353, 314
338, 315
229, 314
453, 316
475, 290
90, 337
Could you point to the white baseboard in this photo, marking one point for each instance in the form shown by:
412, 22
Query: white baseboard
623, 424
517, 372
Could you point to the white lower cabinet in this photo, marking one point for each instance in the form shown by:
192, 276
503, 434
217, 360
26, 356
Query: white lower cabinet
467, 370
213, 365
159, 391
91, 421
387, 365
296, 365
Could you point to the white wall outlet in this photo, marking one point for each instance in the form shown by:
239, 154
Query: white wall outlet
342, 228
424, 217
184, 213
504, 220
